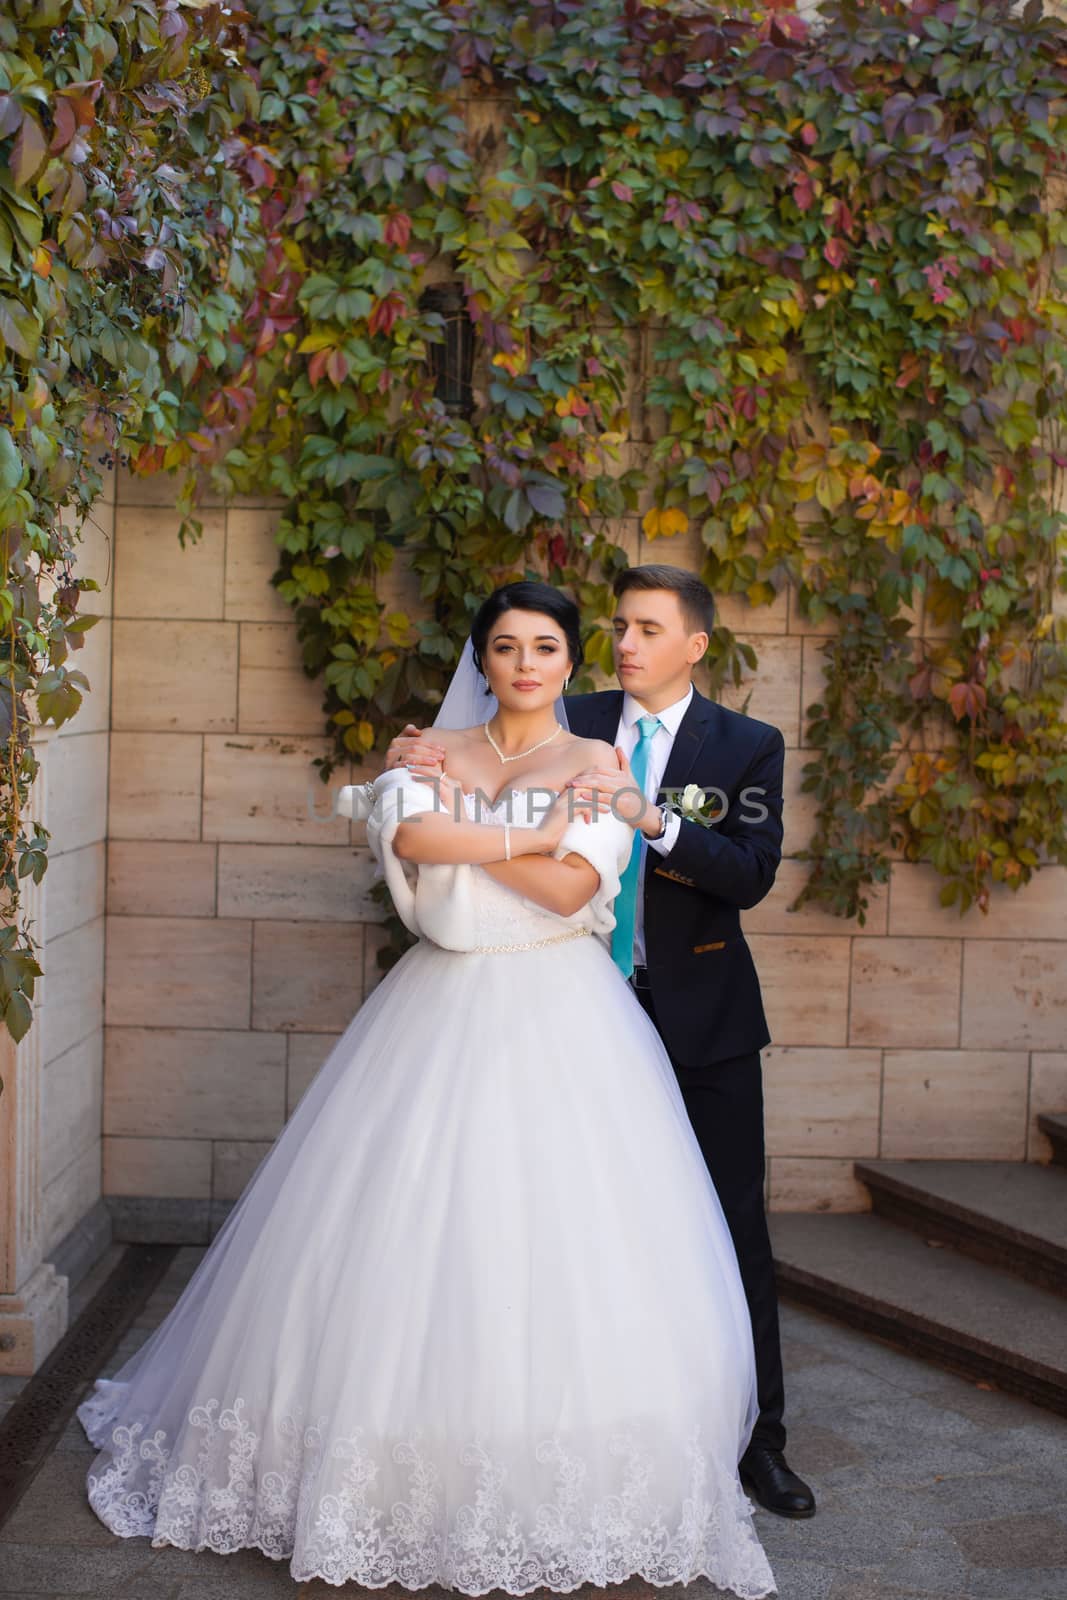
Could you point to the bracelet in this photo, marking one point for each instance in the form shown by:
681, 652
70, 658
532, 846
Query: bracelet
507, 841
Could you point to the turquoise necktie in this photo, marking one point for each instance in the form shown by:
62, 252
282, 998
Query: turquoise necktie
622, 938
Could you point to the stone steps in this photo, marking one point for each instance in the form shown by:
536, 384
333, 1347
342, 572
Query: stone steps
1012, 1214
1053, 1125
930, 1299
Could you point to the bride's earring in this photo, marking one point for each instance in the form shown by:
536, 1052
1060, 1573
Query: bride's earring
566, 681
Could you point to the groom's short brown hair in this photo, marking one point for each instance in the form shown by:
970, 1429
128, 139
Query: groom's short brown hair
694, 596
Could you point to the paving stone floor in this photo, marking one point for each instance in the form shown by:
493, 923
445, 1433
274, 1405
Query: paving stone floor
929, 1488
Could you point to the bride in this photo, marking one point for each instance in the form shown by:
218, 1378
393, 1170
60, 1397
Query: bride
476, 1320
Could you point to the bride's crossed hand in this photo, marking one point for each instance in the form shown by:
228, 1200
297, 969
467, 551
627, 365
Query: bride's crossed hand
416, 749
448, 791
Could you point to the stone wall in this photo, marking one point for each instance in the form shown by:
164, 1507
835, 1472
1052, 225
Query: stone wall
74, 771
240, 939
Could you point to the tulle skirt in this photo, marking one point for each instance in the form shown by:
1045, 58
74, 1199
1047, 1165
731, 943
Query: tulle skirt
475, 1321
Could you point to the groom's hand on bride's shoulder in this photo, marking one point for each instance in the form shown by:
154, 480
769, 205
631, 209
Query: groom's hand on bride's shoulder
616, 789
416, 749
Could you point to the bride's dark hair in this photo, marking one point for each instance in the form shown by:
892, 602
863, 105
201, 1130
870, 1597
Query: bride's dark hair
528, 595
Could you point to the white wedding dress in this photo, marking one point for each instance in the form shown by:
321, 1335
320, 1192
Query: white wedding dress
476, 1320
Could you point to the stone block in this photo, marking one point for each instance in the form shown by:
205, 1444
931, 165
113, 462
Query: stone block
307, 976
73, 886
773, 915
804, 983
69, 999
275, 695
156, 577
905, 992
69, 1195
158, 878
71, 1104
1014, 994
774, 684
178, 972
158, 1167
736, 612
1036, 911
194, 1083
252, 557
800, 807
264, 790
154, 788
821, 1102
304, 882
75, 772
964, 1105
815, 1183
174, 677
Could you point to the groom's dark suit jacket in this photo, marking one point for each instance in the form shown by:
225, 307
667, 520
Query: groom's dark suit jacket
703, 980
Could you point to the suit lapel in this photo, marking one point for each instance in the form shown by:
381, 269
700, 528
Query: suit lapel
694, 728
599, 715
599, 718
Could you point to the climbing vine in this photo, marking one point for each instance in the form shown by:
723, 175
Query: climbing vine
800, 286
790, 289
128, 241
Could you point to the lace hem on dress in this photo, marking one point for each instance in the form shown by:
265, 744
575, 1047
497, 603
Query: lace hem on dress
224, 1500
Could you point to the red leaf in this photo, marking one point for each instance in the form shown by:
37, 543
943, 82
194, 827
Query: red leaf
66, 124
803, 193
28, 151
620, 190
384, 314
10, 114
398, 229
966, 700
337, 367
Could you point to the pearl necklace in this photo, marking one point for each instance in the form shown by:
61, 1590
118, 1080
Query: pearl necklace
533, 747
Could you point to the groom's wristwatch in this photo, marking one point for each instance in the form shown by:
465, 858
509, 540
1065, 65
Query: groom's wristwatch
662, 824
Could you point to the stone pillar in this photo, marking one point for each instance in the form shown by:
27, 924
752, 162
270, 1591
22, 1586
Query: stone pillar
33, 1296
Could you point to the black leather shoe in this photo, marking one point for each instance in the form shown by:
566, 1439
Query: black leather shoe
766, 1475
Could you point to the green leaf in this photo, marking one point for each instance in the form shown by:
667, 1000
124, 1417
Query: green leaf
18, 1015
12, 467
20, 330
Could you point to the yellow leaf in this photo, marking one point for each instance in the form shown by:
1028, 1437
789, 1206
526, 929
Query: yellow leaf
662, 524
366, 735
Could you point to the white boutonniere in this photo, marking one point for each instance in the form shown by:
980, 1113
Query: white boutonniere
697, 806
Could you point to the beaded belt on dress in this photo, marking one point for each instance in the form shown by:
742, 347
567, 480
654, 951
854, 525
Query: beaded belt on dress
530, 944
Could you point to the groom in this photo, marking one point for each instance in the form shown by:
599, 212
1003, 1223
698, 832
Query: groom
678, 936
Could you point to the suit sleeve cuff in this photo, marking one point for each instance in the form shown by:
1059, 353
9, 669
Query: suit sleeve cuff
669, 839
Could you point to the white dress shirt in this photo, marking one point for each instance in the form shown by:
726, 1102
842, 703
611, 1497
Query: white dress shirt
661, 744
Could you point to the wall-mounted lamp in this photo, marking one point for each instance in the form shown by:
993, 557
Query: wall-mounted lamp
452, 362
